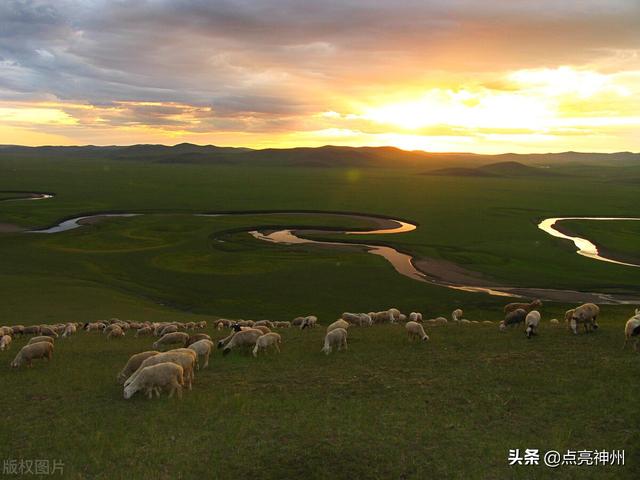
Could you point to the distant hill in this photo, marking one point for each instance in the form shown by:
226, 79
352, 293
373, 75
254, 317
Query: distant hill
454, 163
498, 169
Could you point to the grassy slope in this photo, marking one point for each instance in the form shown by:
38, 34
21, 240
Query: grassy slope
385, 409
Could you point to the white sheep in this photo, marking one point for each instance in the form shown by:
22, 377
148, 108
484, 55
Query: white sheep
335, 338
115, 332
265, 341
434, 322
69, 330
309, 321
415, 317
48, 331
338, 324
415, 330
133, 364
5, 342
203, 349
243, 338
183, 357
172, 339
632, 329
531, 322
28, 353
586, 314
143, 331
396, 315
554, 322
155, 377
456, 314
359, 319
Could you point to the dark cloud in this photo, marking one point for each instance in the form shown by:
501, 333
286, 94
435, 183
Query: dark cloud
247, 59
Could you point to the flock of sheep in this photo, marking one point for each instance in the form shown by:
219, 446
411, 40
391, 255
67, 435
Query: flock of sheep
172, 370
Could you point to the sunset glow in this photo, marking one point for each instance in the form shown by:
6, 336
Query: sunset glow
77, 79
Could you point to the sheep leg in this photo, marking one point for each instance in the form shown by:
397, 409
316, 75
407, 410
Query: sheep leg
573, 326
277, 347
206, 360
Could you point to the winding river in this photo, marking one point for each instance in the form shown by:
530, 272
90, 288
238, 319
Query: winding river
403, 263
585, 247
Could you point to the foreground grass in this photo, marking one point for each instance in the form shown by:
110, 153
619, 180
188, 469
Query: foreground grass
387, 408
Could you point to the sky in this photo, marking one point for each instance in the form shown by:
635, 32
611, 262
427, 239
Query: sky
486, 76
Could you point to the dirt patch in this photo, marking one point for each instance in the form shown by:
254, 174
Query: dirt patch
10, 228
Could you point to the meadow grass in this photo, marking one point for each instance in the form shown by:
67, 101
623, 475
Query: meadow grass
386, 408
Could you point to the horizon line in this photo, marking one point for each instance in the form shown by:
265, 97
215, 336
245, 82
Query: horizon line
8, 145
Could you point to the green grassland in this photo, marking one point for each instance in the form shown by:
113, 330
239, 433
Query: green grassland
386, 408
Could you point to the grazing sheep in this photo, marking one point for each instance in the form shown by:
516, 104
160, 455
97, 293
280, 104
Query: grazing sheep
396, 315
487, 322
116, 332
265, 341
359, 319
98, 326
296, 322
456, 314
510, 307
434, 322
183, 357
69, 330
167, 329
335, 338
308, 321
45, 338
155, 377
531, 322
244, 338
338, 324
386, 316
28, 353
415, 317
415, 330
220, 324
143, 331
264, 323
632, 329
6, 331
17, 330
133, 364
48, 331
202, 324
513, 318
172, 338
282, 324
263, 328
197, 337
554, 322
31, 330
203, 349
586, 314
5, 341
